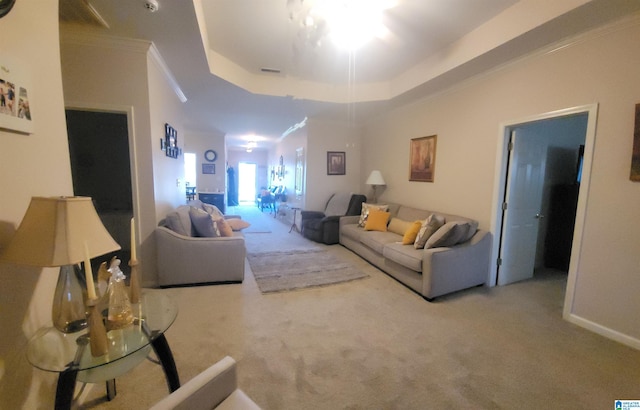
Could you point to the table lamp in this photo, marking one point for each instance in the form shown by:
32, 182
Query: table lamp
62, 231
375, 179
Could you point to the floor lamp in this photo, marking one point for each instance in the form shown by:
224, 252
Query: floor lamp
375, 179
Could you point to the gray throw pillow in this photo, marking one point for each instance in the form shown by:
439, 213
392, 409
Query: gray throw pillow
202, 223
429, 227
449, 234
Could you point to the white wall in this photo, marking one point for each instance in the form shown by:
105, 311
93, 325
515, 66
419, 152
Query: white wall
323, 136
30, 165
198, 143
600, 68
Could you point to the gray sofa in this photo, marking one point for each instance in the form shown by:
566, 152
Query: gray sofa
185, 259
430, 272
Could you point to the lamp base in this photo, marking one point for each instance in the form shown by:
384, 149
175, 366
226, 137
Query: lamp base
68, 312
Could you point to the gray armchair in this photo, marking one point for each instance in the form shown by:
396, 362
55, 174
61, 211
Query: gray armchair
323, 226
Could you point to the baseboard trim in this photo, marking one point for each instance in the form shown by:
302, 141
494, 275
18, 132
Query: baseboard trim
604, 331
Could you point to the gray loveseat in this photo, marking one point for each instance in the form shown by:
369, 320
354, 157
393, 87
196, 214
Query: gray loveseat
185, 259
430, 272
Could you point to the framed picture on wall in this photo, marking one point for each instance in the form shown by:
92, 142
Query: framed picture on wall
422, 159
15, 93
336, 163
208, 168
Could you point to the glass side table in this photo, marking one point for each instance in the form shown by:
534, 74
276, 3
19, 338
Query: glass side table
70, 354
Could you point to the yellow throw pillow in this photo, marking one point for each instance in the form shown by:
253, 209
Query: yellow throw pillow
365, 212
410, 235
377, 221
237, 224
224, 227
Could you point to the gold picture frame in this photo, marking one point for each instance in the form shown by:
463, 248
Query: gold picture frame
422, 159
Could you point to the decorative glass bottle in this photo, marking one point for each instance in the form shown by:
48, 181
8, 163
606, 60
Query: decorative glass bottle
120, 314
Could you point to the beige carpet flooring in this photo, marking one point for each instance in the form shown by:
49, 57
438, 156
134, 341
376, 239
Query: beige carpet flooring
374, 344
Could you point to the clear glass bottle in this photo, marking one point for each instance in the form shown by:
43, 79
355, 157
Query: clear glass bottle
120, 314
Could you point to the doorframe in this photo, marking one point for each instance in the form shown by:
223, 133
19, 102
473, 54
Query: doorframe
133, 163
502, 159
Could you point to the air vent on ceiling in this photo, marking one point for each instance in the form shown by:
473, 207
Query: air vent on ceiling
270, 70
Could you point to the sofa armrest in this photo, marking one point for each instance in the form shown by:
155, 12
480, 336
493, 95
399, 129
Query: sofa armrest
205, 391
349, 220
186, 260
462, 266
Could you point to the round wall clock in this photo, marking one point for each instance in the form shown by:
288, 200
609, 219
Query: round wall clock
210, 155
5, 6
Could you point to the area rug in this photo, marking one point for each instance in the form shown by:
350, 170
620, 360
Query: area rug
297, 269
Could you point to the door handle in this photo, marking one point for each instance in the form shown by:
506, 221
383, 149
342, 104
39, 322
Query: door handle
539, 216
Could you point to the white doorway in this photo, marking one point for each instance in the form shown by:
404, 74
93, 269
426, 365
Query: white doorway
246, 182
503, 187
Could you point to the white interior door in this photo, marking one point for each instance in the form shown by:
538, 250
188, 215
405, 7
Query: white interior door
523, 202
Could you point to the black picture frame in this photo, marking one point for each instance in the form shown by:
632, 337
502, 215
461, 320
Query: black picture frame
208, 168
171, 141
336, 163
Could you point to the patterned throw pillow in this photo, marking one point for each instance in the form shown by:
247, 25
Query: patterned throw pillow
428, 228
364, 215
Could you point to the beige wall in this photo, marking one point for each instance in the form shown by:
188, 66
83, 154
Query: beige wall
198, 143
111, 74
30, 165
602, 68
323, 136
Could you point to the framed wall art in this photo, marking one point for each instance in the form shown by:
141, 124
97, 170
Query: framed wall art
208, 168
15, 93
336, 163
171, 141
635, 156
422, 159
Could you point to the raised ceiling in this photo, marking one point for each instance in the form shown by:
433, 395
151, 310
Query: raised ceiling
216, 49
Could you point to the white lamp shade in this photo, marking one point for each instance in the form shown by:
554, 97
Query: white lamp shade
54, 232
375, 178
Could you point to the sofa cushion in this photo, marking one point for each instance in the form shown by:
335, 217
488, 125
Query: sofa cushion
408, 213
352, 231
449, 234
411, 234
376, 240
179, 221
428, 228
399, 226
364, 214
203, 224
404, 255
377, 221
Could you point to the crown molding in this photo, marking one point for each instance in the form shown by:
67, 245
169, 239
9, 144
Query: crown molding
76, 36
